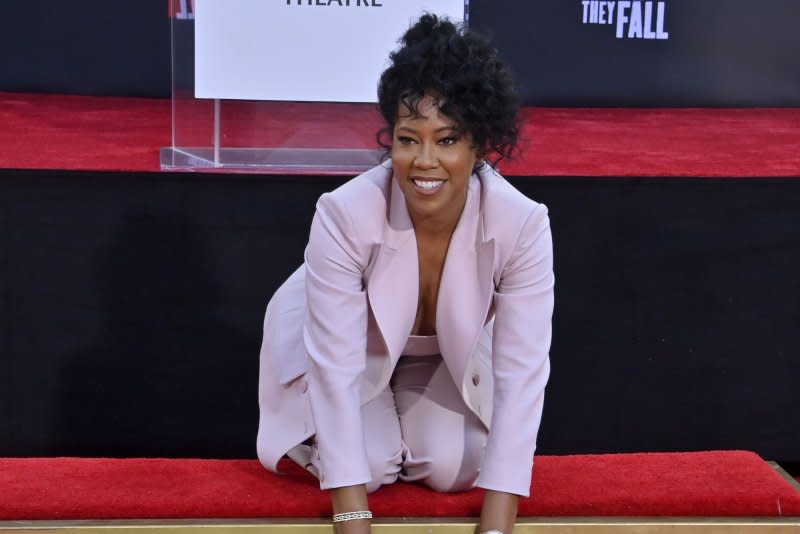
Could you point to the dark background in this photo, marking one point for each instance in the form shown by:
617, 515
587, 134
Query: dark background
720, 52
131, 308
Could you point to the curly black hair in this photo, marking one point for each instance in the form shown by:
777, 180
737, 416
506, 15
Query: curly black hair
463, 71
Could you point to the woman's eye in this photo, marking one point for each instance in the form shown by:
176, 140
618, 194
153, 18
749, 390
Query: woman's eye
447, 141
405, 140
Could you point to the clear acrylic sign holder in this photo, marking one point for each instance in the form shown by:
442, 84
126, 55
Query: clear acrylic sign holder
265, 137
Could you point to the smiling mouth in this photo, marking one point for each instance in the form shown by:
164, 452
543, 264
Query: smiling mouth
427, 185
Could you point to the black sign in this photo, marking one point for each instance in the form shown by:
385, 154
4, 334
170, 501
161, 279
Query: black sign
653, 53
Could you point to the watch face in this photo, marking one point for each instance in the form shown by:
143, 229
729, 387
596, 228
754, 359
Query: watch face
492, 532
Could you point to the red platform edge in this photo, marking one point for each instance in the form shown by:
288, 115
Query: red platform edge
63, 132
698, 484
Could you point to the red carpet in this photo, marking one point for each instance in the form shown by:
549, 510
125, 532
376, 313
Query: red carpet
43, 131
674, 484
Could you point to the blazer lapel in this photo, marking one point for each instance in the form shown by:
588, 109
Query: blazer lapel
466, 286
393, 287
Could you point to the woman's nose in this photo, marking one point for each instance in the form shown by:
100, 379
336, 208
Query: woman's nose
426, 157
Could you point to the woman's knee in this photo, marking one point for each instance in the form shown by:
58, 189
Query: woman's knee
449, 471
449, 476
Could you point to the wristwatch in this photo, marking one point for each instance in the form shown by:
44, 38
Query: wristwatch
493, 531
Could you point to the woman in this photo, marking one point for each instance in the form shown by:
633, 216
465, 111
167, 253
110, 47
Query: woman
413, 342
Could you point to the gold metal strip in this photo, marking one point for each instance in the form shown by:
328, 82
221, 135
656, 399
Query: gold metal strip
588, 525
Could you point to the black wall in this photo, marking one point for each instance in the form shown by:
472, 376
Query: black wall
719, 53
93, 47
131, 310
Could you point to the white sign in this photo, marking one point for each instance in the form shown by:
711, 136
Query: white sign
304, 50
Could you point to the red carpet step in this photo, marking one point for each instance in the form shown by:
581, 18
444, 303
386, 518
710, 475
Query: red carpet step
44, 131
713, 484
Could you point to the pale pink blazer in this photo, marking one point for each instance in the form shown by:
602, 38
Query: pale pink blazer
335, 329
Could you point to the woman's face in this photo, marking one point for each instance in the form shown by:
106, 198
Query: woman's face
432, 163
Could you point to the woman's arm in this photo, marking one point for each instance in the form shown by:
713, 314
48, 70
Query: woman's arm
499, 512
334, 335
520, 357
350, 499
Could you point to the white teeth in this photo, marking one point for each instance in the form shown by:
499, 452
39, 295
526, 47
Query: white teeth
428, 184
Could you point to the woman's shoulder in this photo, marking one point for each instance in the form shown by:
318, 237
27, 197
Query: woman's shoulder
368, 187
365, 192
506, 209
361, 202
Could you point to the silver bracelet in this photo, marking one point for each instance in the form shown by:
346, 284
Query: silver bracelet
349, 516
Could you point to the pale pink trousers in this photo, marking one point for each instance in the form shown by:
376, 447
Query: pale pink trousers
420, 429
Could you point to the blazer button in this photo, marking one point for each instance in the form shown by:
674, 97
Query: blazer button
476, 379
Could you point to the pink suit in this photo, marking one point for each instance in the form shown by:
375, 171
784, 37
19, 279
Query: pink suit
334, 331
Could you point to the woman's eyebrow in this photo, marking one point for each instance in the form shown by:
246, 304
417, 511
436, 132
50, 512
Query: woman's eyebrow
437, 130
